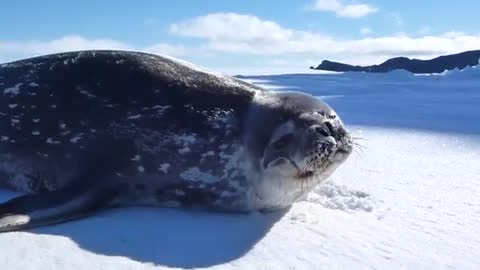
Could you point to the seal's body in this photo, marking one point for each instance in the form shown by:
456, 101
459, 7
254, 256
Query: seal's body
87, 130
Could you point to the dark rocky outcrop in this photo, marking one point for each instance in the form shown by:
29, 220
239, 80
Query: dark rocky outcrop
435, 65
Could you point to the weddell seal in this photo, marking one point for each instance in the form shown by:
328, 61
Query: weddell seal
84, 131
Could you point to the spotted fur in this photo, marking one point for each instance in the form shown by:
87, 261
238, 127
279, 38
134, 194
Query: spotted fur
87, 130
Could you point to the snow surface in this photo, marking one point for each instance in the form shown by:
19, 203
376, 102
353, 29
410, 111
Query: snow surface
409, 199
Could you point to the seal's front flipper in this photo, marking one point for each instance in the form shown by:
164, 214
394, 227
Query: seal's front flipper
53, 207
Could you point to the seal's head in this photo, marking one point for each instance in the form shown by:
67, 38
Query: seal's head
301, 142
309, 141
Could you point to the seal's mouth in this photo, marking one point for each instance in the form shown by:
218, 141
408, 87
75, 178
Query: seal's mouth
305, 174
302, 173
325, 156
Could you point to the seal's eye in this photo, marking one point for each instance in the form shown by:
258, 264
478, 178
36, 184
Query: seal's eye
330, 127
283, 141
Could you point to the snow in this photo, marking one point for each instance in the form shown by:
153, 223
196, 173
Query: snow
408, 199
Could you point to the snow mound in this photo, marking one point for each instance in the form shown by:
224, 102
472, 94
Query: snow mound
339, 197
466, 73
399, 73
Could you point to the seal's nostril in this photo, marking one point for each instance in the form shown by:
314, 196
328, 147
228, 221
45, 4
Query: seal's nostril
322, 131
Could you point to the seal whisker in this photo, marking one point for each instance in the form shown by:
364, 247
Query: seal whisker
357, 152
358, 144
359, 147
356, 138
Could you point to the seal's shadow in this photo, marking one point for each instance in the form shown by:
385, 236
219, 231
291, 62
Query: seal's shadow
174, 238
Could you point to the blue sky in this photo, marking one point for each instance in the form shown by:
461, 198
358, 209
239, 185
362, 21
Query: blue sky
243, 36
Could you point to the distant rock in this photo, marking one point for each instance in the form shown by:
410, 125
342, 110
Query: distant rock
435, 65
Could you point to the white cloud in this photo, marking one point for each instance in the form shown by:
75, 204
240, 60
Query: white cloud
280, 62
12, 50
246, 34
15, 49
228, 40
351, 10
67, 43
366, 31
208, 27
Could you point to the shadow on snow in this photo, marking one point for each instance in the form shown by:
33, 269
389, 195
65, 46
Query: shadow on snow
168, 237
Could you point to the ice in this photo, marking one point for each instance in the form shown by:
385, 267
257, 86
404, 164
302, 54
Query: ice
407, 199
